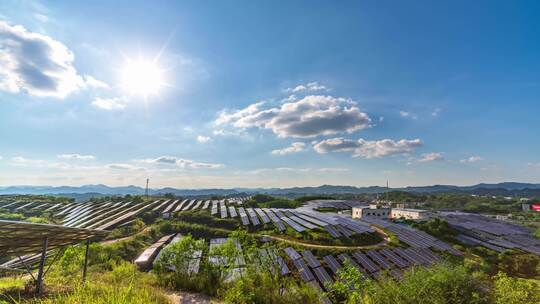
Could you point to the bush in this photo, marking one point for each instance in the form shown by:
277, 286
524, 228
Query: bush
440, 284
508, 290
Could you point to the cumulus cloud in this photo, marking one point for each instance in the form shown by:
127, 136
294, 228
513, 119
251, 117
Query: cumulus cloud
308, 117
429, 157
309, 87
76, 156
109, 104
203, 139
472, 159
37, 64
293, 148
180, 162
367, 148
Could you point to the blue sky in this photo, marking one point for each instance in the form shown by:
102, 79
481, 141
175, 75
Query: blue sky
199, 94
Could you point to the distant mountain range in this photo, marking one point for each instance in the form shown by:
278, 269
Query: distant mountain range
505, 189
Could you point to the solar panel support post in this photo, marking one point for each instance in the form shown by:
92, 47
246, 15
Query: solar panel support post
85, 267
39, 281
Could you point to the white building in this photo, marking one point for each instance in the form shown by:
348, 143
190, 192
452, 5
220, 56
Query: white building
372, 211
410, 214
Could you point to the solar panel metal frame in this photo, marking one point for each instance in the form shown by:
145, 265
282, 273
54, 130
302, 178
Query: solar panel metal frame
24, 238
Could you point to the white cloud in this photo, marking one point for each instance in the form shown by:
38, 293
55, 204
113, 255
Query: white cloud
309, 87
472, 159
309, 117
109, 104
436, 112
120, 166
90, 81
290, 98
367, 148
333, 170
25, 162
429, 157
36, 64
203, 139
180, 162
76, 156
531, 165
41, 17
406, 114
293, 148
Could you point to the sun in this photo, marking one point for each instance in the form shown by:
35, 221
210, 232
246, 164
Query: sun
142, 78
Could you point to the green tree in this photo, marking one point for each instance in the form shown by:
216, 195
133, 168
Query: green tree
508, 290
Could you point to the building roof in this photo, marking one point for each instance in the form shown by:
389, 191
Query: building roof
24, 237
409, 210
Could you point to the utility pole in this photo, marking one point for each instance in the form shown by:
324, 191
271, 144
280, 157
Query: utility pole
146, 192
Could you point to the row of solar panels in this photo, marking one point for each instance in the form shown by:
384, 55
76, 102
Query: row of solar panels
297, 220
146, 260
371, 264
478, 230
108, 215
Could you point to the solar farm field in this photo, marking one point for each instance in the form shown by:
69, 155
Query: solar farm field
210, 245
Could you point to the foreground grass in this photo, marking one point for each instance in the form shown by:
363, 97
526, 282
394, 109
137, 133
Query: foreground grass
124, 284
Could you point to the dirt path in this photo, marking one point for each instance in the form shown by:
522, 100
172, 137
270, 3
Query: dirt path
179, 297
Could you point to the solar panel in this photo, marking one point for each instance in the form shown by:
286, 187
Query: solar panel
253, 216
311, 259
391, 256
232, 211
223, 211
345, 257
416, 256
343, 230
270, 215
332, 263
197, 205
332, 231
379, 259
365, 262
160, 206
170, 206
293, 224
28, 238
186, 207
305, 274
243, 216
279, 226
180, 206
293, 254
406, 256
323, 276
303, 222
125, 216
263, 216
311, 219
